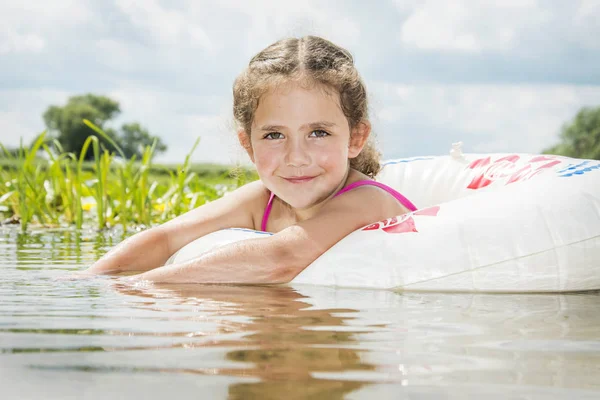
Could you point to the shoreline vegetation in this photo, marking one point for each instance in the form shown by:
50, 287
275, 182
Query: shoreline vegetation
42, 185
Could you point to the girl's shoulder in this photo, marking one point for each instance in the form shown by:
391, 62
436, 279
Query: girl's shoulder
361, 190
241, 208
253, 191
253, 198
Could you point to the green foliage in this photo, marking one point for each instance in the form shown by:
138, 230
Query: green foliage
581, 137
65, 189
26, 190
68, 126
134, 139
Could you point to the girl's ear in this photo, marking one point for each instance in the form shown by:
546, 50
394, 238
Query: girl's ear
358, 138
244, 140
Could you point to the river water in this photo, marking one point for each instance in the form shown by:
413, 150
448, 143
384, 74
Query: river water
95, 339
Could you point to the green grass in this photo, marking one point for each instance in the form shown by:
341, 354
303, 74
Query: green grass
63, 189
203, 170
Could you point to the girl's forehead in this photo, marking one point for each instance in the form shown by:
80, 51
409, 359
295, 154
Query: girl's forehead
302, 86
295, 97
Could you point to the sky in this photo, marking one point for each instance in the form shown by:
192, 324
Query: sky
500, 76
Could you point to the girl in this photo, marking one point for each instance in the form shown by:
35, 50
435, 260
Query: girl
301, 108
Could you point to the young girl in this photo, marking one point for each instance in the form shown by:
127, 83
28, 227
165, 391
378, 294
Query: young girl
301, 108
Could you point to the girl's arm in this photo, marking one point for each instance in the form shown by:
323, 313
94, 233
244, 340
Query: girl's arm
152, 248
279, 258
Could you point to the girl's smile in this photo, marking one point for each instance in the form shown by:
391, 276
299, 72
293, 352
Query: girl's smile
299, 179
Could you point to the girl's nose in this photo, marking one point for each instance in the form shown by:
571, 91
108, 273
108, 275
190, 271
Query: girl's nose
297, 155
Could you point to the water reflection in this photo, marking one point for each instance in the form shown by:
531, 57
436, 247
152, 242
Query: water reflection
330, 342
274, 342
283, 354
55, 246
481, 340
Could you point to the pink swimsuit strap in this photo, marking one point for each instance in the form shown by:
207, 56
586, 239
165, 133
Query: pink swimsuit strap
263, 225
397, 195
367, 182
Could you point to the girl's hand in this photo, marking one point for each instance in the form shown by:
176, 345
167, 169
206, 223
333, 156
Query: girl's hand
75, 276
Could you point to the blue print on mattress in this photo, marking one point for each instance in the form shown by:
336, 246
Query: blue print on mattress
579, 169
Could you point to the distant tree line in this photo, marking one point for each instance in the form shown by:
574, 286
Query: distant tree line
580, 138
65, 124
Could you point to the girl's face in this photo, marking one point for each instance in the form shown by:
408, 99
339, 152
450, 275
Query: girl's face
301, 143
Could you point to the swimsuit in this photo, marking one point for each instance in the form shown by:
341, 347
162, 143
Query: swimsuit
397, 195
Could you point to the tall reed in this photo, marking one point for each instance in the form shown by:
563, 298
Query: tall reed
61, 189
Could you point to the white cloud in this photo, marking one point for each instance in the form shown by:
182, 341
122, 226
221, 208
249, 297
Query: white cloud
218, 142
469, 26
168, 26
24, 24
18, 43
21, 113
65, 11
180, 118
488, 118
271, 20
34, 16
586, 19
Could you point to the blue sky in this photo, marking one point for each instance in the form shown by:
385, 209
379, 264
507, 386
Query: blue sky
501, 76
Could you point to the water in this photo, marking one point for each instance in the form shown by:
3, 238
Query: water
92, 339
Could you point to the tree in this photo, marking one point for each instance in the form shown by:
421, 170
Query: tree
134, 138
66, 123
581, 137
